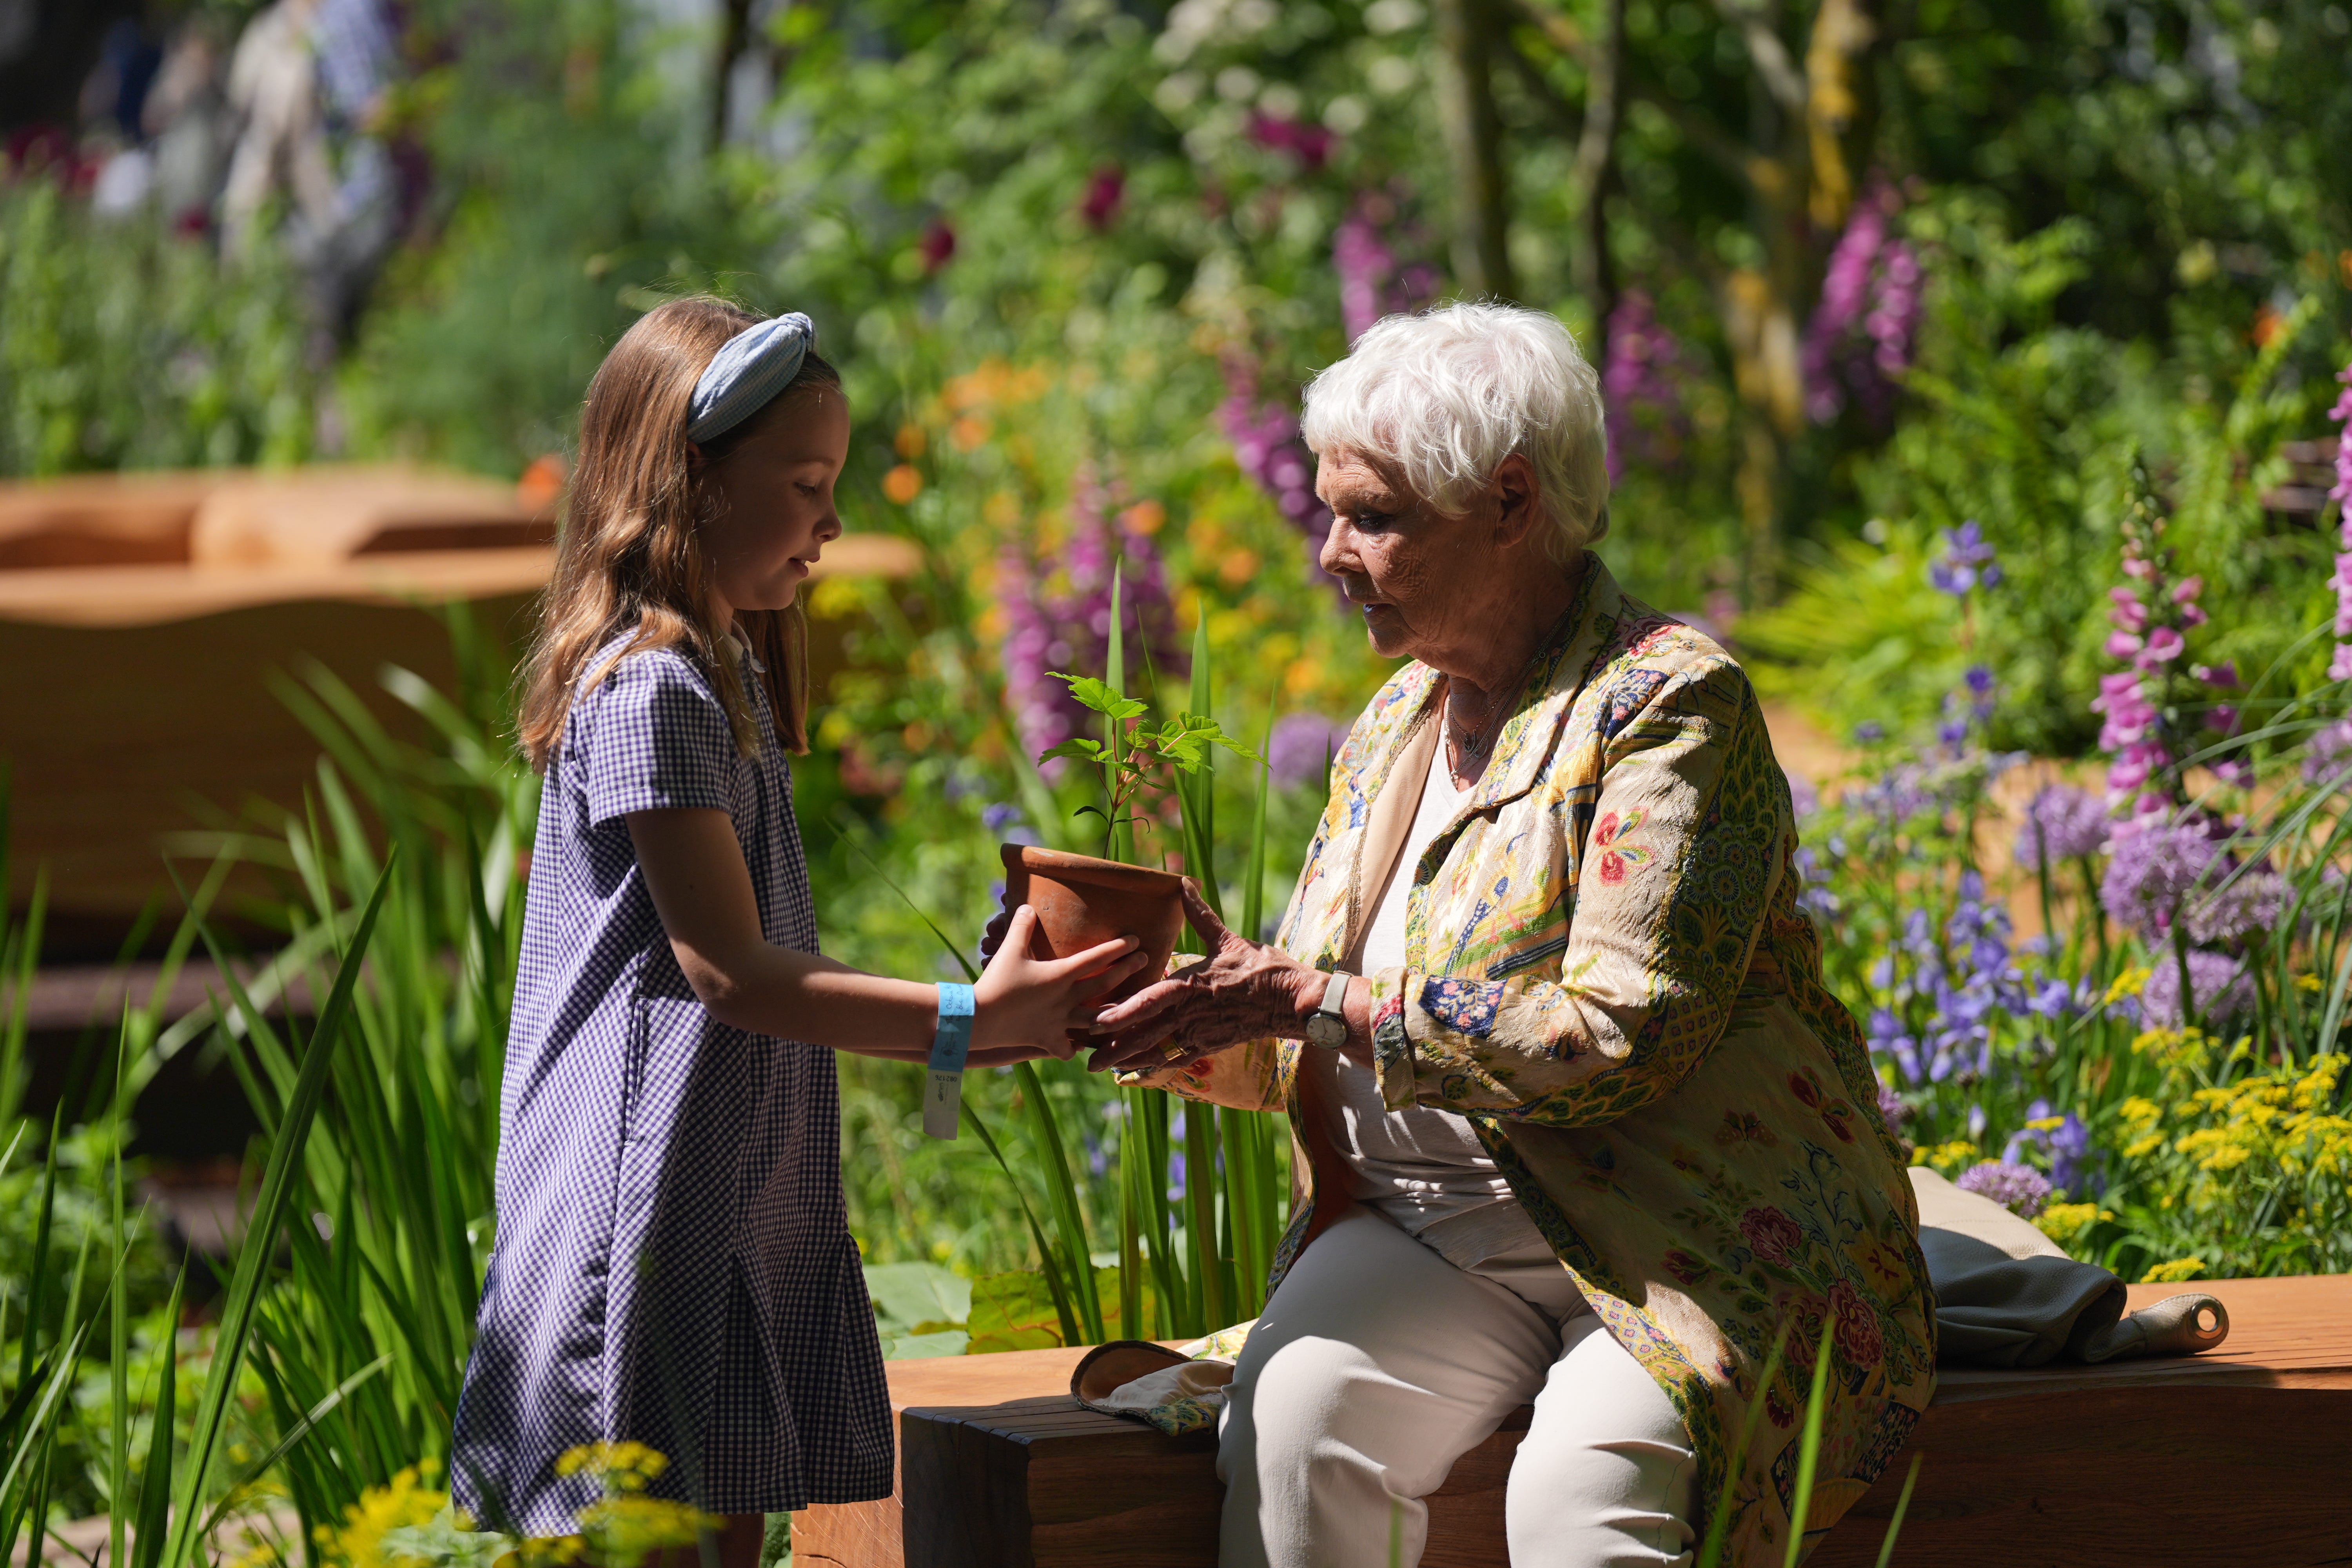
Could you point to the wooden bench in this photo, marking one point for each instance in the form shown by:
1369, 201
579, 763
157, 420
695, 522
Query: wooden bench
2241, 1456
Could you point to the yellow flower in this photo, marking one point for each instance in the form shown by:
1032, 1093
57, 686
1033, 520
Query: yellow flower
1945, 1157
622, 1467
627, 1530
406, 1500
2063, 1222
2130, 983
2171, 1273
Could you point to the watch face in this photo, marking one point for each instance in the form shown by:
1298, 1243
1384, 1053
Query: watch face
1325, 1030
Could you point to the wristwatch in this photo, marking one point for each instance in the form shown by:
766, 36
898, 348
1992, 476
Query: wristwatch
1328, 1024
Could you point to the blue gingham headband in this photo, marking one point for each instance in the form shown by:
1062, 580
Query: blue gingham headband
747, 373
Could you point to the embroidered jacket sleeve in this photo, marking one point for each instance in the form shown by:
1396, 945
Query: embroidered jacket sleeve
1666, 897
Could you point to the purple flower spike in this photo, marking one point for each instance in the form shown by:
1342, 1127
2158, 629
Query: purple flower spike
1057, 617
2021, 1189
1639, 386
1860, 335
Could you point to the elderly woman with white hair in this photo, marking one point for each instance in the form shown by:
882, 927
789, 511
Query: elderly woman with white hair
1577, 1123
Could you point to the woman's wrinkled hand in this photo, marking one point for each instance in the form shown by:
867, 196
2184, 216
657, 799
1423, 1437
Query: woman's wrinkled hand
1242, 990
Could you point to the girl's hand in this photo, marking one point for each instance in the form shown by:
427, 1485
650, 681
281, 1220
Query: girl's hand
1242, 990
1024, 1002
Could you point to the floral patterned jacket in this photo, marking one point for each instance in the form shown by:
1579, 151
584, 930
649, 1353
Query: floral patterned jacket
1607, 974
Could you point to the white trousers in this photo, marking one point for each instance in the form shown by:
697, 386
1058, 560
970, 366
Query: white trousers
1378, 1363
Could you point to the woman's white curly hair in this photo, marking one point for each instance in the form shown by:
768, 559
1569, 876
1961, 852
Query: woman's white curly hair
1446, 395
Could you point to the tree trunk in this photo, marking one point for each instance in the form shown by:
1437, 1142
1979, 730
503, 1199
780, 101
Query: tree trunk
1474, 143
1596, 164
734, 36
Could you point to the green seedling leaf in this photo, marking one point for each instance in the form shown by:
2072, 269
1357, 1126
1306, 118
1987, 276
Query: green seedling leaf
1100, 696
1083, 749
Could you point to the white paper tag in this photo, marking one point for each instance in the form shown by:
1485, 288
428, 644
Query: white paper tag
941, 1100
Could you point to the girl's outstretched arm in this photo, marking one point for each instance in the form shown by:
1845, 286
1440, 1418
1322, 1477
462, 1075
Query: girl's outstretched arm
694, 868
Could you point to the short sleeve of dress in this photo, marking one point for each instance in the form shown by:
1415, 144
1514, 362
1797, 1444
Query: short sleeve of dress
655, 737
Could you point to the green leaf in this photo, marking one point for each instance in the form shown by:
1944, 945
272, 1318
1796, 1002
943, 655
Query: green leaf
909, 1296
1082, 748
1100, 696
1013, 1312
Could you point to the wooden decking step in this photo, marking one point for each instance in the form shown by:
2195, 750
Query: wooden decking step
2240, 1455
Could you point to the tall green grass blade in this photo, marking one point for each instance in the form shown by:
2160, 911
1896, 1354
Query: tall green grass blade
1120, 846
117, 1334
292, 1434
37, 1290
23, 955
1808, 1453
278, 1184
1902, 1507
1241, 1201
39, 1423
1062, 1199
155, 1476
1254, 878
1052, 1265
1210, 1297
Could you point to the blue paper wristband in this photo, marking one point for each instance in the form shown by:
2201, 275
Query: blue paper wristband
953, 1042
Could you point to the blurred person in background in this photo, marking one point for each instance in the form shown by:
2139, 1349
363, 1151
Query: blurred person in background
308, 82
187, 118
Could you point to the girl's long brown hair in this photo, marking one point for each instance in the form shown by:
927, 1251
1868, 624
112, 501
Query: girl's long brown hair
630, 558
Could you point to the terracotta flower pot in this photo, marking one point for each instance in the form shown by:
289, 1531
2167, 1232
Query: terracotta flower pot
1083, 902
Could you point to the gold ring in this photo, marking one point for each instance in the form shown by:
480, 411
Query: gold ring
1170, 1053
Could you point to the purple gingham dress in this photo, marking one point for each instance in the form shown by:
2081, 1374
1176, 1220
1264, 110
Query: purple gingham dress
673, 1263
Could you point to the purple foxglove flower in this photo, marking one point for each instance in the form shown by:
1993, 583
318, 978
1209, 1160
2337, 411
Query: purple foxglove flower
1639, 386
2164, 645
2021, 1189
2342, 492
1264, 438
1057, 617
2222, 989
1859, 340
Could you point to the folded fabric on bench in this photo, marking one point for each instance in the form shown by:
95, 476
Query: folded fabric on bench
2006, 1295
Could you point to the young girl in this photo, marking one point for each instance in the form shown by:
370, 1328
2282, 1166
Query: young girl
673, 1263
